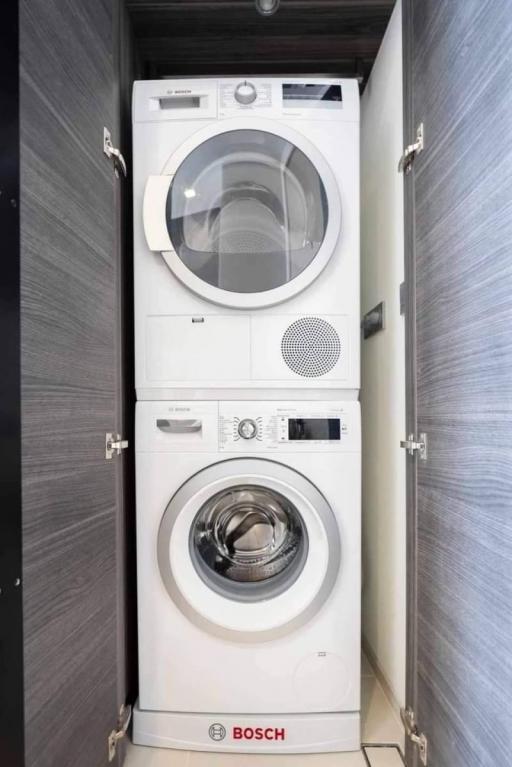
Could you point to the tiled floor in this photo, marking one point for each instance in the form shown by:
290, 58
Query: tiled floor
384, 757
380, 725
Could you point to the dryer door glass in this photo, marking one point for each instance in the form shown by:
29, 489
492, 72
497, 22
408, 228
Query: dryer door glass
247, 211
248, 542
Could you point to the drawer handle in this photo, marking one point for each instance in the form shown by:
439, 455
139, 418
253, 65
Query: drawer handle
179, 425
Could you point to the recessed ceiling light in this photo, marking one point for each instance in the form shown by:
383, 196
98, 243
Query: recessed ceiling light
267, 7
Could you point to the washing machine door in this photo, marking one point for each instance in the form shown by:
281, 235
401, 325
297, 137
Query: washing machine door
244, 216
248, 548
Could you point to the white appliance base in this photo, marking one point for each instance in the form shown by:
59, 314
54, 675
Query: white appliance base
254, 733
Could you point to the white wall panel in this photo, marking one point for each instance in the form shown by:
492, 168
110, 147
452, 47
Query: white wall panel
383, 371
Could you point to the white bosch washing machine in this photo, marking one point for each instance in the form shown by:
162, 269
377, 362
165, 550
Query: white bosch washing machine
248, 566
246, 237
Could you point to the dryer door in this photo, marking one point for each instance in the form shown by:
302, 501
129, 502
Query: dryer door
248, 547
244, 217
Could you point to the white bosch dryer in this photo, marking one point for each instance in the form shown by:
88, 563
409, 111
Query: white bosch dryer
246, 237
248, 566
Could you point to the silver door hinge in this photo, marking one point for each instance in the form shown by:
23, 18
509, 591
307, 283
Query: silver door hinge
402, 298
113, 154
123, 721
413, 445
114, 444
412, 151
413, 733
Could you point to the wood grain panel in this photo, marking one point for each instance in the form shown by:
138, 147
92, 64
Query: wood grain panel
70, 643
229, 36
69, 277
463, 241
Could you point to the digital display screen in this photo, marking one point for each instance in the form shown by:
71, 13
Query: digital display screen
311, 92
313, 428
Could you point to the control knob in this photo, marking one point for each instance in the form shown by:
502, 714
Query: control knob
245, 93
247, 428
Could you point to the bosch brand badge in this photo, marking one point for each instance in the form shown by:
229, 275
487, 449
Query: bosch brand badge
217, 731
259, 733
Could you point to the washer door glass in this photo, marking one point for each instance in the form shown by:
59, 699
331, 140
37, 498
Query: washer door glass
248, 542
248, 547
247, 211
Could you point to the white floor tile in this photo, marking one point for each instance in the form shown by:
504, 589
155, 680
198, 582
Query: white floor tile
140, 756
353, 759
384, 757
366, 669
380, 724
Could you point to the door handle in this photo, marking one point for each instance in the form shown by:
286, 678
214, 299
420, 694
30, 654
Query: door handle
179, 425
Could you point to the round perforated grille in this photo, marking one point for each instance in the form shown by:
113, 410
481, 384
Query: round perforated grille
311, 347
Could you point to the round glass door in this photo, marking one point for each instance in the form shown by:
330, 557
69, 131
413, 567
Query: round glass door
248, 546
244, 217
248, 213
248, 542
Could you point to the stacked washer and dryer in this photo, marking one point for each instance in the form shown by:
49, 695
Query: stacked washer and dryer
248, 462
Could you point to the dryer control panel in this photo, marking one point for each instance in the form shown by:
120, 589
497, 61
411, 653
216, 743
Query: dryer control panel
309, 98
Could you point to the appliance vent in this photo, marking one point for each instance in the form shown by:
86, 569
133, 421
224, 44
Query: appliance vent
311, 347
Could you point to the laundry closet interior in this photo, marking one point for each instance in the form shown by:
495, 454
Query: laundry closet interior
325, 337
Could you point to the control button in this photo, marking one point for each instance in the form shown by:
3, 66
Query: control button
245, 93
247, 428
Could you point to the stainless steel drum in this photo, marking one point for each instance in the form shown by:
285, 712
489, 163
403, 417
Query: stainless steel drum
248, 535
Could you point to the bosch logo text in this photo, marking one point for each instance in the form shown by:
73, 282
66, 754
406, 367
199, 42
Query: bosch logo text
259, 733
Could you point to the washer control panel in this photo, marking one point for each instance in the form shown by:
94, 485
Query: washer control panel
304, 426
247, 427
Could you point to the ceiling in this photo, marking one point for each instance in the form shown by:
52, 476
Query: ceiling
196, 37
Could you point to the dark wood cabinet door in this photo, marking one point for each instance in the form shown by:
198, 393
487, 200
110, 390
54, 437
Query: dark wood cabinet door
70, 339
459, 230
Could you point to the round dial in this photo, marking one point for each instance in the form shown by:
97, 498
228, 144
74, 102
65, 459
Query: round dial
245, 93
247, 428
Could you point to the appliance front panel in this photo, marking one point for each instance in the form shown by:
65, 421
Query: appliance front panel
292, 671
165, 302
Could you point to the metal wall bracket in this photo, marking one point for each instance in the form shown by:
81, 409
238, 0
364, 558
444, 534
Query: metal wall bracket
373, 321
412, 151
411, 729
413, 445
114, 445
114, 154
123, 721
402, 298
